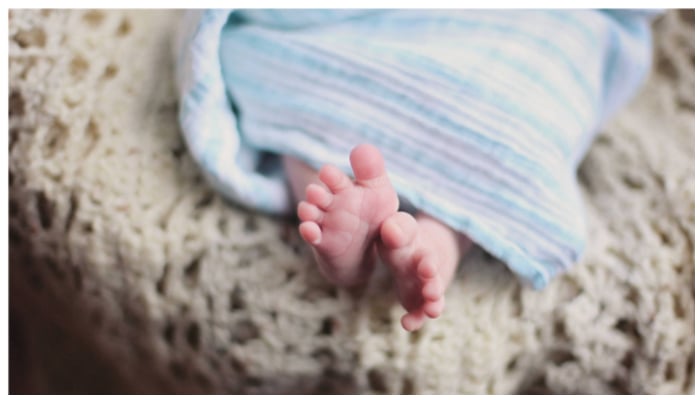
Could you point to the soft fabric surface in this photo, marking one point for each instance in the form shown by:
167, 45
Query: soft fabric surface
482, 115
119, 242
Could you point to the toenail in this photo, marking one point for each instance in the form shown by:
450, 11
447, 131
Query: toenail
396, 226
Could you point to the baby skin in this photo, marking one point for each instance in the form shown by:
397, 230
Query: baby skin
348, 222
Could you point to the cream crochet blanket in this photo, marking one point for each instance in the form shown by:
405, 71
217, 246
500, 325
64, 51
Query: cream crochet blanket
118, 245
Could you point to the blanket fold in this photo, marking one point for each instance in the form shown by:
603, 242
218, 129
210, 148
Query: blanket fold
482, 116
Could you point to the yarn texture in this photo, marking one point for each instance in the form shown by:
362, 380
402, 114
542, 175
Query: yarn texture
118, 244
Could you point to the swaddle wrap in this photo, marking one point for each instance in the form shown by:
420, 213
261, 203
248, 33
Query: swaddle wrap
482, 116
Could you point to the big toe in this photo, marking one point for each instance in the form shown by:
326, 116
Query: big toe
398, 231
367, 163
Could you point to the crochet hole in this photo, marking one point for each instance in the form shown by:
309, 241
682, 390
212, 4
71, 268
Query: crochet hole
628, 327
236, 299
560, 357
92, 130
92, 133
94, 18
178, 152
559, 329
619, 386
633, 183
110, 71
192, 272
538, 386
124, 27
628, 360
289, 275
332, 291
632, 296
210, 303
169, 333
205, 201
78, 67
178, 370
161, 283
407, 386
57, 137
14, 136
35, 37
193, 335
72, 207
237, 366
670, 372
45, 209
689, 372
16, 104
244, 331
87, 228
327, 326
666, 67
678, 308
377, 381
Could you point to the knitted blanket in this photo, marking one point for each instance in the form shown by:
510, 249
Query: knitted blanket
129, 274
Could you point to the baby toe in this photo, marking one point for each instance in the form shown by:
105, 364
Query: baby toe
426, 269
413, 321
309, 212
318, 196
367, 163
433, 309
398, 231
310, 232
432, 290
334, 178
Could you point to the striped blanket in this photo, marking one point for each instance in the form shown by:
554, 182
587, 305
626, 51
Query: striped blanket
482, 115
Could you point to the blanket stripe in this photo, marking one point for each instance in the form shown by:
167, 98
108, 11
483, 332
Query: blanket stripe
482, 115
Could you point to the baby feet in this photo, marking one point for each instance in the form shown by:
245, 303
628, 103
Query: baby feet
422, 256
341, 220
345, 220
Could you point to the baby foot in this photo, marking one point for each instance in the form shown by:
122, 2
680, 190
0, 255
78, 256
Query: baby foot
422, 260
341, 221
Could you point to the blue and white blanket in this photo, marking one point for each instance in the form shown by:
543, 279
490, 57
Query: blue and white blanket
482, 115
